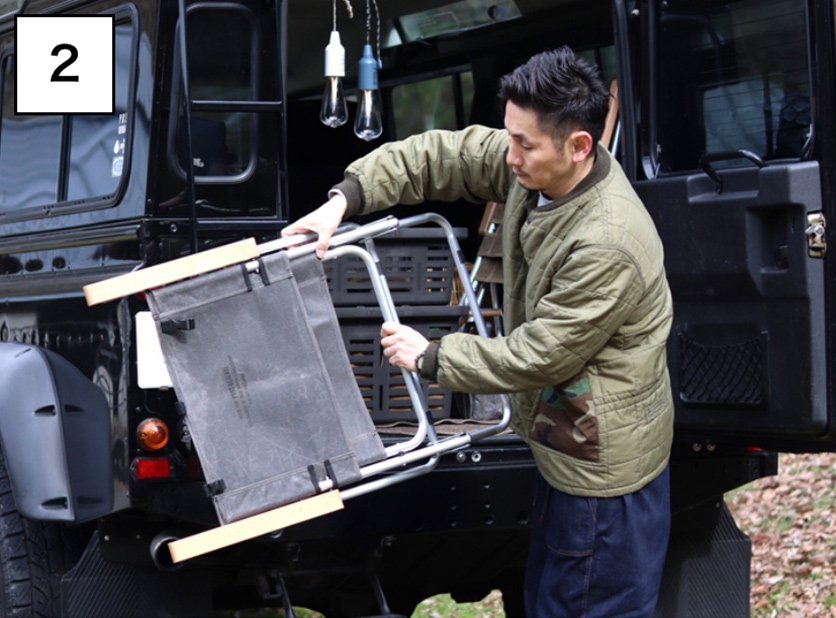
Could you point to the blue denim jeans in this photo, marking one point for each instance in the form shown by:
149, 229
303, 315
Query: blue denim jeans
597, 557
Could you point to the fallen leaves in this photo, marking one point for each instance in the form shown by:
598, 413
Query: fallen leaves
791, 520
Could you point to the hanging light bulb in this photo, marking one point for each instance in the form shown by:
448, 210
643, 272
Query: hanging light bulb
334, 112
368, 125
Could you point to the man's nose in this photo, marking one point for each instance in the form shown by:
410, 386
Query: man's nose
513, 157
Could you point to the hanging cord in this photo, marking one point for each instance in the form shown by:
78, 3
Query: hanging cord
377, 16
369, 26
348, 8
368, 23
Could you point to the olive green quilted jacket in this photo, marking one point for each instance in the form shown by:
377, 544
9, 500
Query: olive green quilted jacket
587, 307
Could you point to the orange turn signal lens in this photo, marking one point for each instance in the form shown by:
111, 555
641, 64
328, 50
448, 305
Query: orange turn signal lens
152, 434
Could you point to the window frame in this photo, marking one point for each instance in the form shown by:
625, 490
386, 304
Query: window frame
125, 14
650, 106
177, 93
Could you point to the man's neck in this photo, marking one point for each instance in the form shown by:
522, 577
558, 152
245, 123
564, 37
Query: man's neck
581, 171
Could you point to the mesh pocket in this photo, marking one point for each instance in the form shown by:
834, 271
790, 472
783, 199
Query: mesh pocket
722, 374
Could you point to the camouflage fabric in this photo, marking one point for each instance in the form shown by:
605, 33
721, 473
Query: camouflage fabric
564, 420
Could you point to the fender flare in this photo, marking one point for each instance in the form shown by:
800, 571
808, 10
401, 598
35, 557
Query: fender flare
55, 434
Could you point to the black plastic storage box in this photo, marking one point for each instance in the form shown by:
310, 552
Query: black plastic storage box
381, 385
417, 263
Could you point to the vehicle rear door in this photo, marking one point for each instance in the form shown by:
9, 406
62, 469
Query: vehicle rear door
722, 101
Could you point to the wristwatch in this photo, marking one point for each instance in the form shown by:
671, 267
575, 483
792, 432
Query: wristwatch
419, 361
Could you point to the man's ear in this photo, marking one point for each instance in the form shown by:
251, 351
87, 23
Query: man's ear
581, 142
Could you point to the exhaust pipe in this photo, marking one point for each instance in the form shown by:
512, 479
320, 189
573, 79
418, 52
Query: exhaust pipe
160, 553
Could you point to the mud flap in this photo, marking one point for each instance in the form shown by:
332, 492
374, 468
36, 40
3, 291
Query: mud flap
98, 588
707, 572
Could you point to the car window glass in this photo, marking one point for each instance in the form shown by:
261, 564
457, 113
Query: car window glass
732, 76
222, 67
30, 151
430, 104
93, 146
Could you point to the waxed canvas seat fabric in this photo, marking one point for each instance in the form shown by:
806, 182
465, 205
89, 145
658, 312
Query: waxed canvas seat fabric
271, 401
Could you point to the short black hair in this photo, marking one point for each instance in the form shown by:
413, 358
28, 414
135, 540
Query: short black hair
565, 91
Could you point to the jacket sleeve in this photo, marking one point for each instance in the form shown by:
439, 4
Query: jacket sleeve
436, 165
591, 296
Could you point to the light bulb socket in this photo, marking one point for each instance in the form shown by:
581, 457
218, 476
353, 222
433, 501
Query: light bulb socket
367, 70
334, 56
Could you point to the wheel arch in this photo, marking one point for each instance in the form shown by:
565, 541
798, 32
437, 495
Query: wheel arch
55, 434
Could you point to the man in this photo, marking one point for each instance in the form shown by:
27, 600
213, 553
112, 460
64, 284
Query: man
587, 309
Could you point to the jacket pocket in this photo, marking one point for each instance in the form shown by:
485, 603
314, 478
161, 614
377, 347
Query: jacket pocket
565, 420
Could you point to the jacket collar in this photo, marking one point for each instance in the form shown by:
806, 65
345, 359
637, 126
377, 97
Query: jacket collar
600, 170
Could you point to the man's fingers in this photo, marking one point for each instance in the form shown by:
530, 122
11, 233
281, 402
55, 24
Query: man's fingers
388, 328
298, 228
401, 344
322, 221
321, 246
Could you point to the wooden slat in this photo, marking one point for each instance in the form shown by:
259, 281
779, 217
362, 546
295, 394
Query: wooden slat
168, 272
487, 217
612, 115
257, 525
490, 270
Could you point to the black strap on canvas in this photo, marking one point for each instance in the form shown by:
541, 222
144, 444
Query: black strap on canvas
170, 326
263, 272
329, 470
314, 480
246, 275
215, 488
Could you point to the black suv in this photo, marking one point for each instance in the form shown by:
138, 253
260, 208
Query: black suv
723, 125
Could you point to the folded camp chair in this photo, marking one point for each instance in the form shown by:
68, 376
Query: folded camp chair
255, 355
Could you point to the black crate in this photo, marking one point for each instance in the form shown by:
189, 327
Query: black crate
417, 263
381, 385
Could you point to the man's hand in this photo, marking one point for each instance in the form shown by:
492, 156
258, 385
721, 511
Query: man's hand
402, 344
324, 220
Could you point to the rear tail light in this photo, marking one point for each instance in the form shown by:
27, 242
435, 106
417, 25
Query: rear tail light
151, 469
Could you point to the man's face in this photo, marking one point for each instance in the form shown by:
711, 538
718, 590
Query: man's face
539, 163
